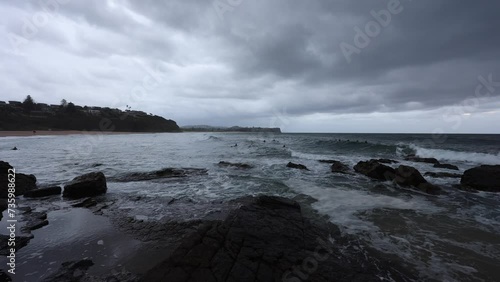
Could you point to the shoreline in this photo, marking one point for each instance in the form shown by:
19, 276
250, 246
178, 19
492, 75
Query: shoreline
64, 132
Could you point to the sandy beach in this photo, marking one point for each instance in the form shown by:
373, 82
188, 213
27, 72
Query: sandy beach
61, 132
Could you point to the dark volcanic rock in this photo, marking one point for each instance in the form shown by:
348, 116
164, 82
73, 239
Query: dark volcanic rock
4, 276
34, 221
386, 161
3, 206
4, 167
71, 271
43, 192
339, 167
408, 176
447, 166
87, 185
328, 161
23, 182
376, 170
482, 178
429, 188
160, 174
269, 239
297, 166
405, 176
21, 241
85, 203
237, 165
442, 174
422, 160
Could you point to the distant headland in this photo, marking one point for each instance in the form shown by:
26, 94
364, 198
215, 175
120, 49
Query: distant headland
208, 128
29, 115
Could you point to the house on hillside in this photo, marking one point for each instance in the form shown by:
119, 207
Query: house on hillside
16, 105
94, 112
43, 107
136, 113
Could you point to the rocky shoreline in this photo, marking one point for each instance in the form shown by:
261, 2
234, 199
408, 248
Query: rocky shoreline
261, 238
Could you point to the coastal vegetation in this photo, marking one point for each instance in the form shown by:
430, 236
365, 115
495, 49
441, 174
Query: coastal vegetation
30, 115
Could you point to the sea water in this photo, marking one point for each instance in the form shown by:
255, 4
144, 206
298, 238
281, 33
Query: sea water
454, 236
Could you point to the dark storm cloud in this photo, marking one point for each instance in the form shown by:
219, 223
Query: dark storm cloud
254, 57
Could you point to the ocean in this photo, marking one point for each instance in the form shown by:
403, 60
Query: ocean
450, 237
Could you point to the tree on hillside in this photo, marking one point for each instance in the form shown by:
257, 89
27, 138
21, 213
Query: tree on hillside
29, 104
64, 103
71, 108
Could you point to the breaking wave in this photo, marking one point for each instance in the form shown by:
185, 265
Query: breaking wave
458, 156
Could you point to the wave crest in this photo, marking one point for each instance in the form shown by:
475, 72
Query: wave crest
457, 156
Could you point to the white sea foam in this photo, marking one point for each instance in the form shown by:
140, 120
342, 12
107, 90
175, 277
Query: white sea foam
343, 205
316, 157
449, 155
308, 156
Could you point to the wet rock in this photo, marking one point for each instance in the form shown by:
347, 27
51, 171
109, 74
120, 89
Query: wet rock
269, 239
99, 207
338, 167
482, 178
375, 170
116, 276
34, 221
71, 271
328, 161
43, 192
87, 185
85, 203
408, 176
429, 188
21, 241
446, 166
23, 182
386, 161
3, 206
465, 188
160, 174
297, 166
422, 160
4, 276
443, 175
25, 209
237, 165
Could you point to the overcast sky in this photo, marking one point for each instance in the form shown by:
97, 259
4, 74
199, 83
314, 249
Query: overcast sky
304, 66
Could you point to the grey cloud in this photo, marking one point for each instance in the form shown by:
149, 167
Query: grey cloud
262, 55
